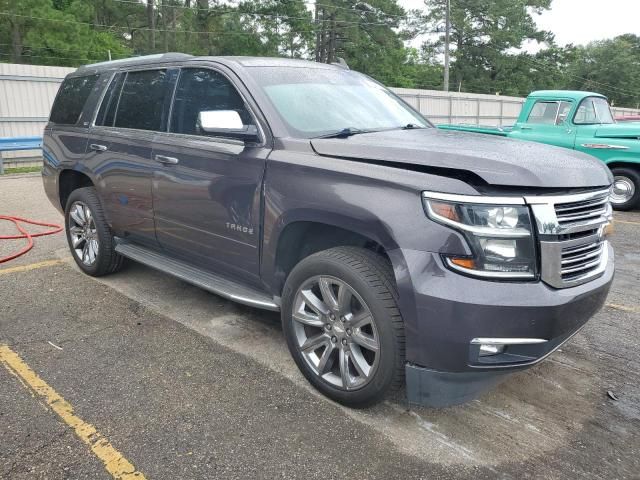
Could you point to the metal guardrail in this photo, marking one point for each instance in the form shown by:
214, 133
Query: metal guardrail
18, 143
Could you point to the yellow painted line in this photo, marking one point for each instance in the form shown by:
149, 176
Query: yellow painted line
624, 308
627, 222
31, 266
118, 466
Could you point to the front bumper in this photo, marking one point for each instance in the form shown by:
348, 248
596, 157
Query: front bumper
445, 311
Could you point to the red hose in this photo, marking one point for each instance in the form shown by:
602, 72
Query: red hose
24, 234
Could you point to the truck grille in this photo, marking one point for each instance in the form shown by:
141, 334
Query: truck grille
579, 261
573, 249
582, 211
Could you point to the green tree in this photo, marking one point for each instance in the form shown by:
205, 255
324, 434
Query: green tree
610, 67
485, 38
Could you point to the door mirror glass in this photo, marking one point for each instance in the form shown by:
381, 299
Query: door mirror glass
211, 121
225, 123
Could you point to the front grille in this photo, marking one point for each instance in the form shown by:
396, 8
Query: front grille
580, 261
571, 228
581, 211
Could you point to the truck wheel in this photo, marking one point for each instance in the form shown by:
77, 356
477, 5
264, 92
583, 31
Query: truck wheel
343, 326
626, 188
89, 235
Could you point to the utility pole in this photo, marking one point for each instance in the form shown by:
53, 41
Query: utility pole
447, 29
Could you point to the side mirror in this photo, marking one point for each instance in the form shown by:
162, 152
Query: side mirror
226, 123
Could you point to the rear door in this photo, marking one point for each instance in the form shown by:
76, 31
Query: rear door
134, 108
207, 191
547, 122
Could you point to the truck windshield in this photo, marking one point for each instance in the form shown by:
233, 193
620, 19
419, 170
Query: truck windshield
593, 110
322, 102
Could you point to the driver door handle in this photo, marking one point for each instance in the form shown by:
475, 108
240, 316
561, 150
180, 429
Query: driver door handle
97, 147
167, 160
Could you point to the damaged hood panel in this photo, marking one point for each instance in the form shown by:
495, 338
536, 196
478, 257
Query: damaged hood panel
495, 160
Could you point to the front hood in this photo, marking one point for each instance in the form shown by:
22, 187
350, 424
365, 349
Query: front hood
618, 130
497, 161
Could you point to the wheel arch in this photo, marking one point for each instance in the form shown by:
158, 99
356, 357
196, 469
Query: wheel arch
70, 180
634, 165
305, 234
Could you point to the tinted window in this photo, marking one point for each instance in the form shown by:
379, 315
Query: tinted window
141, 102
71, 99
549, 113
203, 90
107, 111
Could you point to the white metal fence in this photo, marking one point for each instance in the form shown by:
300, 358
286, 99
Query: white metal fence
27, 92
472, 108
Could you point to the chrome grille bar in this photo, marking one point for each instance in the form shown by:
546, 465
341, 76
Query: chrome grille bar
572, 246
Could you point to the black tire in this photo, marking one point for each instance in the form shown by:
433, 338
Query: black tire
633, 176
107, 260
370, 275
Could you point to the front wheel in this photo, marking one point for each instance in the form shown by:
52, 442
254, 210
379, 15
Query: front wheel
626, 188
342, 325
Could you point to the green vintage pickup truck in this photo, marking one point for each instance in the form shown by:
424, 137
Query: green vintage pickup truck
580, 121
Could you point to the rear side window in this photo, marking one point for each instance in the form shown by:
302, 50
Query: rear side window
107, 112
202, 90
71, 98
142, 100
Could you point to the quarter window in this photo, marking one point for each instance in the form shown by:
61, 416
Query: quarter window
142, 100
199, 90
549, 113
71, 98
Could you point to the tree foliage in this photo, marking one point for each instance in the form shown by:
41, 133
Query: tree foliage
373, 36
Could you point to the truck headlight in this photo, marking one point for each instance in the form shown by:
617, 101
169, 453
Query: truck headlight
498, 230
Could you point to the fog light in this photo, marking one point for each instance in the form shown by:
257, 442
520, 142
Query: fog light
489, 349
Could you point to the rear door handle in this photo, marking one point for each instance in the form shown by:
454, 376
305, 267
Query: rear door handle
97, 147
525, 128
165, 159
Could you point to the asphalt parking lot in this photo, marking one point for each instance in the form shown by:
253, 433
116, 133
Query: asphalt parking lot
178, 383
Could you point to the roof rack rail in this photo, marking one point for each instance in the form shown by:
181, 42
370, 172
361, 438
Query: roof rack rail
159, 57
341, 63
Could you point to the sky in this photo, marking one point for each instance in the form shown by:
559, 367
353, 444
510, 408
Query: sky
580, 21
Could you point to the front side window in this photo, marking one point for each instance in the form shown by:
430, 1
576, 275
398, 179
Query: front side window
201, 90
593, 110
71, 98
318, 101
549, 112
142, 100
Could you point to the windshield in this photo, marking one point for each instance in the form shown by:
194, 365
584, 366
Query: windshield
593, 110
314, 102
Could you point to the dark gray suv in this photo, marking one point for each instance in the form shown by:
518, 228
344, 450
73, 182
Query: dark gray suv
395, 252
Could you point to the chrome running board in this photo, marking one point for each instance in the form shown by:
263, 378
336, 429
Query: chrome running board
200, 278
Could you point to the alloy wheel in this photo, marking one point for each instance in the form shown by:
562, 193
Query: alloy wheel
335, 332
83, 233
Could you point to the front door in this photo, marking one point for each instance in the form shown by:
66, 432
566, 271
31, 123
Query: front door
207, 189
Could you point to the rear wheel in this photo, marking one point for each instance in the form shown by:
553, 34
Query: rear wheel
343, 326
88, 234
626, 188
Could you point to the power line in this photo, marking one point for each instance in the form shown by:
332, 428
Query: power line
257, 14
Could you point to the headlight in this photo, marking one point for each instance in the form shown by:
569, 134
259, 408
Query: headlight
499, 234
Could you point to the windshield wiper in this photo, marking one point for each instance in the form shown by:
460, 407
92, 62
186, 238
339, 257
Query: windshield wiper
411, 126
344, 133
